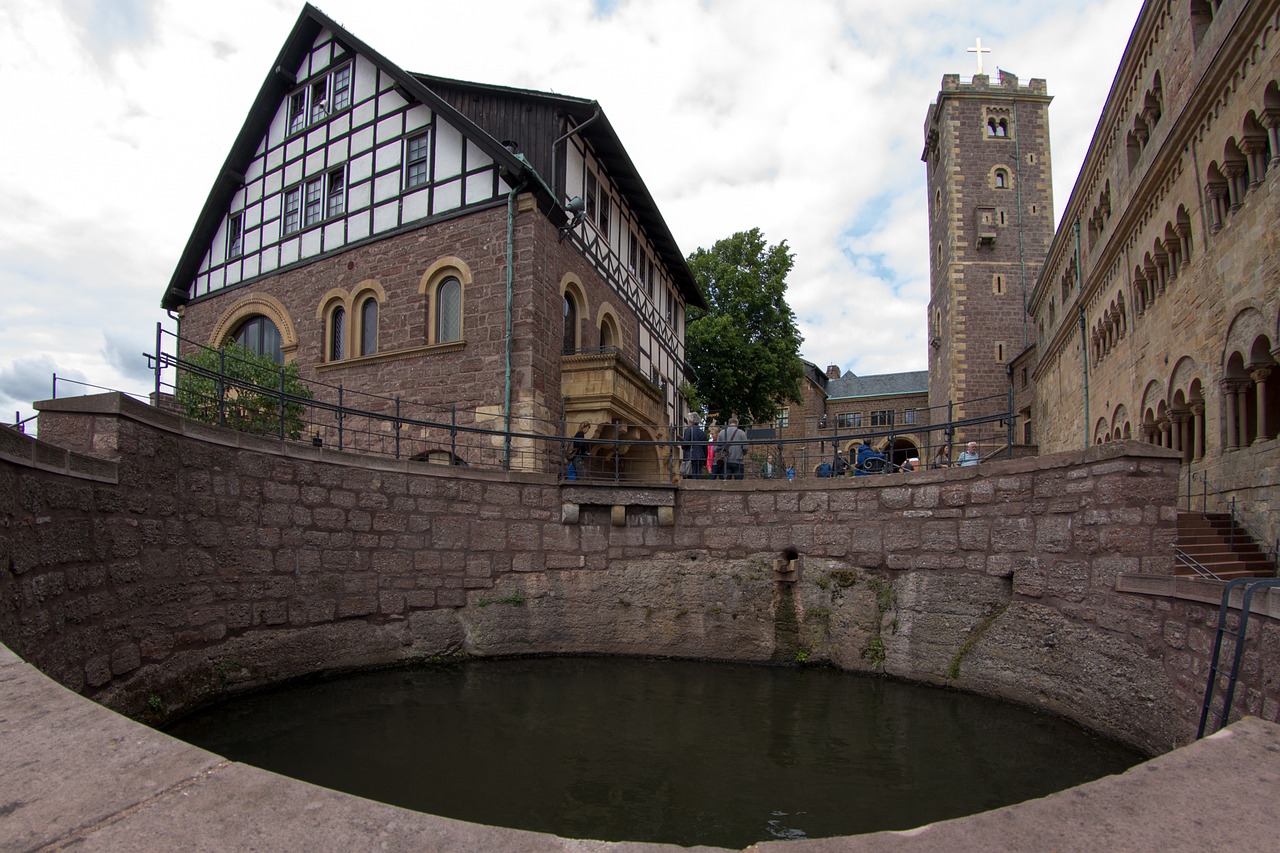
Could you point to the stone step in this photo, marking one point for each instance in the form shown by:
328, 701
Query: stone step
1245, 550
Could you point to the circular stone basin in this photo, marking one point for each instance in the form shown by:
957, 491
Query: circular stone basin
683, 752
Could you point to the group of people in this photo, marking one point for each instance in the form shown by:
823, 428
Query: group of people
968, 457
722, 455
718, 456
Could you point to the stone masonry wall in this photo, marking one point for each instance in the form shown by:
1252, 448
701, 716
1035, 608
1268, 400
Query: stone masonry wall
201, 562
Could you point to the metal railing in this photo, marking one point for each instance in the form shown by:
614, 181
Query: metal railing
1238, 517
285, 407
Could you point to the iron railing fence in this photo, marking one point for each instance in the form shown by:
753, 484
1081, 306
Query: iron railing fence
1239, 517
351, 420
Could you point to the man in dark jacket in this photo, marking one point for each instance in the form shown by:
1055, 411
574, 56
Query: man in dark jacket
693, 454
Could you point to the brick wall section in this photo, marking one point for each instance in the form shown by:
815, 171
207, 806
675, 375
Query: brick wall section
202, 561
431, 382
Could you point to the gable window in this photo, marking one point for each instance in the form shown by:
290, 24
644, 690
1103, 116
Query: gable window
634, 252
235, 236
314, 210
336, 203
602, 221
319, 99
416, 171
297, 111
592, 191
338, 334
369, 326
292, 210
340, 97
449, 311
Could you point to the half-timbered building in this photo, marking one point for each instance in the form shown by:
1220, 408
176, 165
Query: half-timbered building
439, 246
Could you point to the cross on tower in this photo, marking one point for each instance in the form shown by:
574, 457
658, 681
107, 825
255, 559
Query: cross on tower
979, 49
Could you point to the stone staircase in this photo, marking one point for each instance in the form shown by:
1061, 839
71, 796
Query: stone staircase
1208, 539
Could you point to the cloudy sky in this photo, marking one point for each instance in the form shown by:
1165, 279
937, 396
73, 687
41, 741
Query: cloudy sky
803, 118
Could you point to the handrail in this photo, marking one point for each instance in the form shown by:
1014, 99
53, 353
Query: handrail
1271, 549
1195, 565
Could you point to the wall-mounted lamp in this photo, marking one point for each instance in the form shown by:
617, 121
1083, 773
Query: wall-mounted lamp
577, 209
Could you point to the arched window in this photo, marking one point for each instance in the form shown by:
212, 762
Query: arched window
570, 325
338, 334
449, 311
260, 336
369, 326
1002, 179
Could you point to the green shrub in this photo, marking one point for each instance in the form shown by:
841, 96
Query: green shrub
234, 387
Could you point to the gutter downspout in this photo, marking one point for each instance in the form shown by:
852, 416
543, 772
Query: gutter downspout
575, 129
1084, 335
511, 275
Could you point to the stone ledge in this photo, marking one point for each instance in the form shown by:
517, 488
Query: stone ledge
77, 773
1198, 589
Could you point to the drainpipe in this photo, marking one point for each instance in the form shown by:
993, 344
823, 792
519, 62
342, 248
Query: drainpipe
576, 129
511, 275
1084, 335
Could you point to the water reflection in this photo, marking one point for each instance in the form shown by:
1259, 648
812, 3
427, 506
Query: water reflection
674, 751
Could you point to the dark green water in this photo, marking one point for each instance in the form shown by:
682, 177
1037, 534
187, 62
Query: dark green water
684, 752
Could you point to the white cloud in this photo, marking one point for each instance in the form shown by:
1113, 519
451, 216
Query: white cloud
802, 119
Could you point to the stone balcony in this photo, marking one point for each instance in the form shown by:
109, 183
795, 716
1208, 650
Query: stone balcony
605, 390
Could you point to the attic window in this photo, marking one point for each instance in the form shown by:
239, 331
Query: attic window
235, 233
416, 163
320, 98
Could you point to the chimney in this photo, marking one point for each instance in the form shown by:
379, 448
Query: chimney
833, 371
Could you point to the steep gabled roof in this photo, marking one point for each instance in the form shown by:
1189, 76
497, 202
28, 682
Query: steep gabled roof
476, 100
280, 81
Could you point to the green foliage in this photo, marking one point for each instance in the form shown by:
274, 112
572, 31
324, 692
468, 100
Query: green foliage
155, 704
745, 350
249, 388
874, 652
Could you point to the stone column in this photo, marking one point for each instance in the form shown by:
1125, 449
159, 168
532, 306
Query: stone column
1217, 204
1259, 376
1235, 184
1184, 238
1172, 247
1182, 432
1271, 121
1242, 412
1254, 149
1197, 431
1229, 393
1166, 432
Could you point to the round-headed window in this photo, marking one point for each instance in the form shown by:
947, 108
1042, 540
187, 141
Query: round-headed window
260, 336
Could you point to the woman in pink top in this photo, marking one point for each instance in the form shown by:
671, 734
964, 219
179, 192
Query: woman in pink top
711, 451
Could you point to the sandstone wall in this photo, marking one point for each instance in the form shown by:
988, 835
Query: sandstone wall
200, 562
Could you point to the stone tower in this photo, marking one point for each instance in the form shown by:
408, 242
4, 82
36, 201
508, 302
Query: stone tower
990, 224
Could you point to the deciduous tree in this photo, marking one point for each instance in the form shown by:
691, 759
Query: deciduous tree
744, 350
